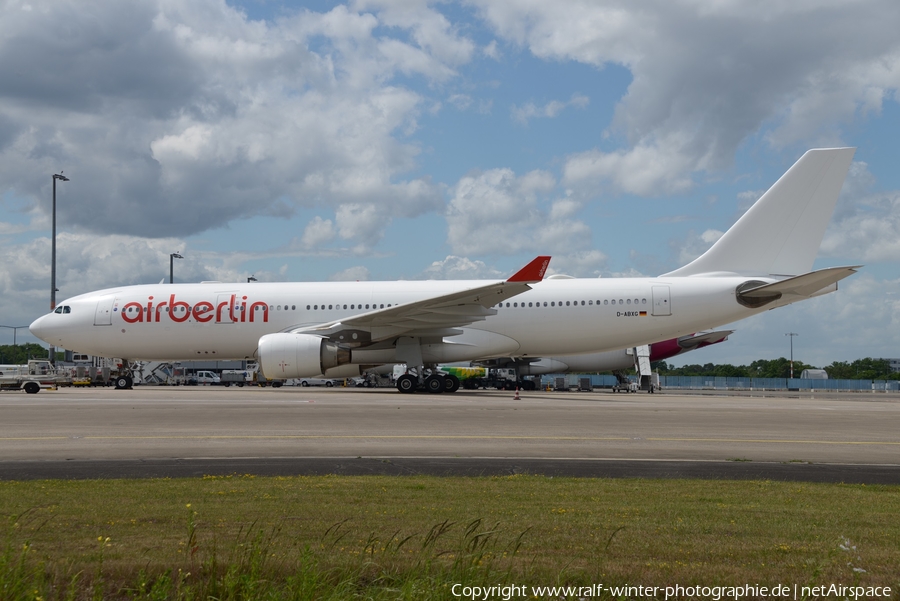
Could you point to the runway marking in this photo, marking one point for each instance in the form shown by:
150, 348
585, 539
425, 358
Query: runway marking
457, 437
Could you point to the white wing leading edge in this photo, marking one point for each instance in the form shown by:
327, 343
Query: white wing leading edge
437, 316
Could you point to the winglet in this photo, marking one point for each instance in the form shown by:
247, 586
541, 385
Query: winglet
533, 272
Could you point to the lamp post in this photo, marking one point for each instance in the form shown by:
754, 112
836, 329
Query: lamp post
172, 257
14, 329
61, 177
792, 334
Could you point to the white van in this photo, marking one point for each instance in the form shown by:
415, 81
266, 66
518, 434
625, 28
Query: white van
205, 377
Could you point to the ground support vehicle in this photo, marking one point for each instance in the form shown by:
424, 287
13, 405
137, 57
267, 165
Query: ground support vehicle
261, 380
328, 382
32, 377
236, 377
472, 378
83, 376
204, 377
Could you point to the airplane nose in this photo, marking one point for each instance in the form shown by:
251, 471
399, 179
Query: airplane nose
37, 327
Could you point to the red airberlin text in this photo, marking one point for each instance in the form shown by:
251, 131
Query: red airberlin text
230, 310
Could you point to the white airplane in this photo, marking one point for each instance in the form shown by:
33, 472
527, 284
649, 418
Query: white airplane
300, 330
618, 360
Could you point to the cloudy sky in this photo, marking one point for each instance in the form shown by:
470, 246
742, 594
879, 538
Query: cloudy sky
407, 139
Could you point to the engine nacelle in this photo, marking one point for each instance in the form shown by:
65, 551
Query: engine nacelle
283, 356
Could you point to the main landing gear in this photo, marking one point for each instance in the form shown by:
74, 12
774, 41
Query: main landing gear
434, 383
125, 379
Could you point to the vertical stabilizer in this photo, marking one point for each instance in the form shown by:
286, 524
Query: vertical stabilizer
781, 233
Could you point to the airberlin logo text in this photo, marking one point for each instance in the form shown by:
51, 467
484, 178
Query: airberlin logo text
229, 310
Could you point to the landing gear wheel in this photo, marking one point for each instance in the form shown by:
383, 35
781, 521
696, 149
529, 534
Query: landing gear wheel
451, 383
124, 382
435, 384
407, 384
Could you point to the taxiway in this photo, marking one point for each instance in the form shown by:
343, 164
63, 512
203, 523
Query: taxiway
160, 431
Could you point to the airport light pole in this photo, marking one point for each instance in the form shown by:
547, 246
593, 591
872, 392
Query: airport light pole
53, 289
61, 177
172, 257
14, 329
792, 334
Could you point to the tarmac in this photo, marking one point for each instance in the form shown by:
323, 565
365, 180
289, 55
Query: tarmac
194, 431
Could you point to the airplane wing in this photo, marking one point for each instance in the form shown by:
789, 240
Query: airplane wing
437, 316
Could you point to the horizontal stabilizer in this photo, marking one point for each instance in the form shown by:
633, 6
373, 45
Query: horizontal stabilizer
689, 343
756, 294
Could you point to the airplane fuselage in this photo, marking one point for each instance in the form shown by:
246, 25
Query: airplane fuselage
225, 321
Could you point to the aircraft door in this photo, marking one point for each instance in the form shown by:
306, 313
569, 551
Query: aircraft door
661, 301
103, 313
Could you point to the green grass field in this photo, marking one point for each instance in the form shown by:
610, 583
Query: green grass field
371, 537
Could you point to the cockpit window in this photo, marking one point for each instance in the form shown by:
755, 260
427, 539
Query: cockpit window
63, 309
58, 309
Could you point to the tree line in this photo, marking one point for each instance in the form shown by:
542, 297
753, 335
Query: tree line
19, 354
861, 369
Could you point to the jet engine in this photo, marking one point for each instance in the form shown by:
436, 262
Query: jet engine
283, 356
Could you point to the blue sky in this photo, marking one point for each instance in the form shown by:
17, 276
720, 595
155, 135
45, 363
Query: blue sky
408, 139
